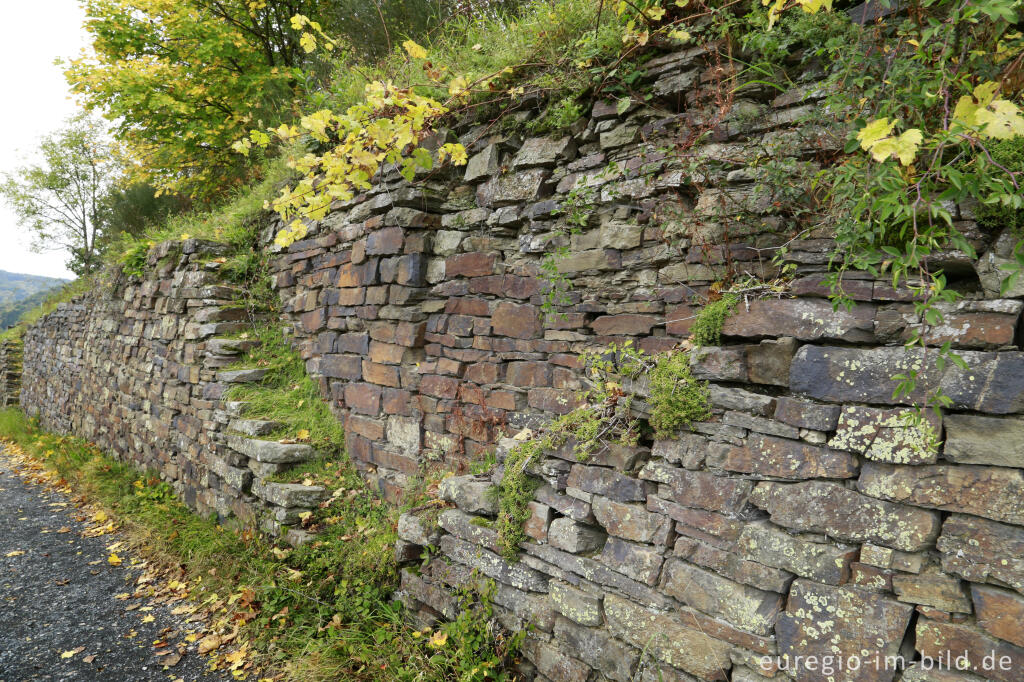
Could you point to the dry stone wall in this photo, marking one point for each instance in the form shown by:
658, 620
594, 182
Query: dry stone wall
10, 372
805, 518
140, 367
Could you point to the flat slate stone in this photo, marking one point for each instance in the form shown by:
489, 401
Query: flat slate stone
270, 451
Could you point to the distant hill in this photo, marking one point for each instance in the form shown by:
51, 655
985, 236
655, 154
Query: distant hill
20, 293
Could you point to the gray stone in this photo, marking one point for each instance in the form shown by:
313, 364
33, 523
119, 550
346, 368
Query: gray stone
269, 451
413, 528
289, 494
493, 566
730, 398
471, 494
639, 562
612, 657
581, 606
241, 376
976, 439
992, 492
574, 537
666, 638
482, 164
772, 546
819, 506
980, 550
992, 382
253, 427
807, 415
544, 151
607, 482
748, 608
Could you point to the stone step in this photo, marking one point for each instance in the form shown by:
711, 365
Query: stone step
221, 346
269, 451
289, 495
253, 427
235, 407
241, 376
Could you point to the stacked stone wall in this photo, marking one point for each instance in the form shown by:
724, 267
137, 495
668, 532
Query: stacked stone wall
806, 517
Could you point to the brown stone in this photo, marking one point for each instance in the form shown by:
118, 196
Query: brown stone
784, 458
439, 386
991, 658
1000, 612
363, 398
701, 489
470, 265
386, 353
517, 321
385, 241
384, 375
627, 324
527, 374
932, 588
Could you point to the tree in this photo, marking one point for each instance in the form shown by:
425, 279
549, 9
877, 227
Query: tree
59, 199
184, 79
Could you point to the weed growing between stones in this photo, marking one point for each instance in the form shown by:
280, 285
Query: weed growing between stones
609, 414
322, 611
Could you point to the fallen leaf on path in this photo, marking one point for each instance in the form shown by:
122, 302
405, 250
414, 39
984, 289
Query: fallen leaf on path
16, 552
73, 652
209, 643
89, 659
114, 560
148, 619
172, 660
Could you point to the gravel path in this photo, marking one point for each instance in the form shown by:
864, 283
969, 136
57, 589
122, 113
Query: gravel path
59, 617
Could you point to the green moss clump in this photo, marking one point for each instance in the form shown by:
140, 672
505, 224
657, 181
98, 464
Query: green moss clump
677, 398
994, 218
707, 328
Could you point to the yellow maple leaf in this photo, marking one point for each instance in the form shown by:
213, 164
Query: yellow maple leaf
114, 560
874, 131
903, 147
149, 618
415, 50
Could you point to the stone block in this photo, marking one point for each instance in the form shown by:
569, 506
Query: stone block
783, 458
978, 439
580, 606
819, 561
613, 658
289, 494
820, 506
748, 608
991, 658
493, 566
807, 415
625, 324
639, 562
517, 321
631, 521
822, 620
807, 319
683, 647
980, 550
992, 492
999, 612
471, 494
932, 588
608, 482
270, 451
575, 537
893, 436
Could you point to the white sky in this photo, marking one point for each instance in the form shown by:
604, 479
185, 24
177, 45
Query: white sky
32, 35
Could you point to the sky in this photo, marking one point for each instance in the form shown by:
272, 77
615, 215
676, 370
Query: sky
32, 35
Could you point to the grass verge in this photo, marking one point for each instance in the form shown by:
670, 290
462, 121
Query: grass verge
323, 611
